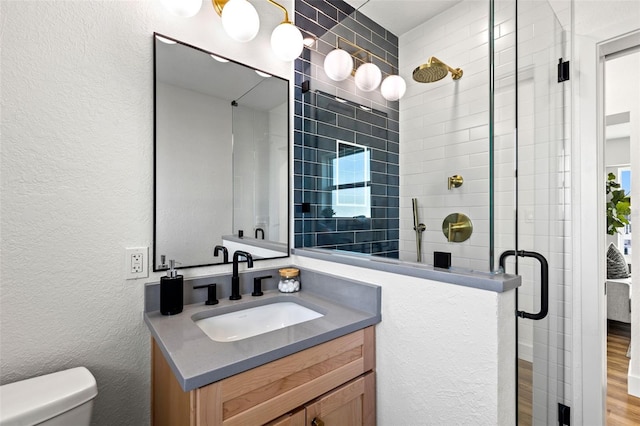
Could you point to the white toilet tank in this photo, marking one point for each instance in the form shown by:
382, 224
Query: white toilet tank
64, 398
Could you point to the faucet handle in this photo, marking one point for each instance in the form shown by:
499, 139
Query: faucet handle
212, 296
257, 285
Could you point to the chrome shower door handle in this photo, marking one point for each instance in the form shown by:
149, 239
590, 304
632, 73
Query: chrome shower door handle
544, 285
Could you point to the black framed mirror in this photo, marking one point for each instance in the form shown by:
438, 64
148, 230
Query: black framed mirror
221, 159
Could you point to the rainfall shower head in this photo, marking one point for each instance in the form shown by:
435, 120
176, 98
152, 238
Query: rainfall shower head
435, 70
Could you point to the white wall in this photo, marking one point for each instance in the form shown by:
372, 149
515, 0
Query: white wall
193, 149
444, 131
77, 184
250, 166
445, 354
279, 174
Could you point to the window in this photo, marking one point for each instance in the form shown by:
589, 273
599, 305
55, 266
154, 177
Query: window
351, 190
624, 237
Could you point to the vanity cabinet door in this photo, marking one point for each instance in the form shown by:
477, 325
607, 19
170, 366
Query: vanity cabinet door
352, 404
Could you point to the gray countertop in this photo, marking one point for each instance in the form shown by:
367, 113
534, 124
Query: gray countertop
196, 360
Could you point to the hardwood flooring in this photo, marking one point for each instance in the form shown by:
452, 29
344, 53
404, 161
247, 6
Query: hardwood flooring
525, 393
622, 408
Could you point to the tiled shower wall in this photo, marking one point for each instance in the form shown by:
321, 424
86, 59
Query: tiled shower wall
445, 131
366, 119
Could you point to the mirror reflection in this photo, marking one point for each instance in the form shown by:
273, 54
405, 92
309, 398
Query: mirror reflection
221, 158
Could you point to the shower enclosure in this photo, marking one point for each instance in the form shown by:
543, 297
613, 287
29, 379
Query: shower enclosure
490, 144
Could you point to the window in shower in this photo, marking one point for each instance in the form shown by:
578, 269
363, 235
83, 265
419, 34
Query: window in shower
351, 190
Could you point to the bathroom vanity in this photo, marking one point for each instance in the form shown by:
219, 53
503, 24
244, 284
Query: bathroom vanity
321, 369
333, 382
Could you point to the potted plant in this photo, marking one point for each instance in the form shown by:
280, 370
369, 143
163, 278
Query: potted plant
618, 205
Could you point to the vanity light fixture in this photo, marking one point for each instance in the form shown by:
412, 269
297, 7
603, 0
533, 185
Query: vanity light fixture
263, 74
309, 41
241, 22
182, 8
340, 63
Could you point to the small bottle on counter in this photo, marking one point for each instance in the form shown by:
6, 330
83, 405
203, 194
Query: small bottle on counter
289, 280
171, 295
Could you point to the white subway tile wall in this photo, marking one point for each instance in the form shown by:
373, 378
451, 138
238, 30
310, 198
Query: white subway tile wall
444, 130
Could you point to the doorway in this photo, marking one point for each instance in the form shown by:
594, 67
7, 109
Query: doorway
621, 76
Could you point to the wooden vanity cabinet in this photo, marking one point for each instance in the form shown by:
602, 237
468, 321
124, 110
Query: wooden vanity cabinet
329, 384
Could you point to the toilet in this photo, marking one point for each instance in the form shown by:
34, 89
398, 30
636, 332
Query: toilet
64, 398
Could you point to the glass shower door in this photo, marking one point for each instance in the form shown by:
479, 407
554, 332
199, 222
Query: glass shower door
531, 197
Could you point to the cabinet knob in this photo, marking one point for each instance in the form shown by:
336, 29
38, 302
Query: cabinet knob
317, 422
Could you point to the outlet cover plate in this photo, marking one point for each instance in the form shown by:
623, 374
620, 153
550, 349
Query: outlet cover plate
136, 263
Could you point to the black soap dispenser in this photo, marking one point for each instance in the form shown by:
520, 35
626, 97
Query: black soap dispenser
171, 291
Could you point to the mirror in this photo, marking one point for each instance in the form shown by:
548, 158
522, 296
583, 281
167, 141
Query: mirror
350, 179
221, 158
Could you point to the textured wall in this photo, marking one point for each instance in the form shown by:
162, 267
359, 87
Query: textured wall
444, 353
77, 173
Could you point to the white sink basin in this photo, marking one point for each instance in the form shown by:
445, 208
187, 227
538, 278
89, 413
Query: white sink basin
251, 322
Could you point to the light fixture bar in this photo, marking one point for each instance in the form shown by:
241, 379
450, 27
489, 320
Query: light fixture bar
394, 70
218, 5
284, 9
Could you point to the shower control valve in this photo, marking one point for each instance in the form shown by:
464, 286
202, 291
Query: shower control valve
455, 181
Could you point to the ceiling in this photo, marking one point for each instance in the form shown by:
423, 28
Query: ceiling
194, 69
400, 16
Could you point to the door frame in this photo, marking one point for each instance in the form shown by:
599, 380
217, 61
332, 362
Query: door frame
589, 265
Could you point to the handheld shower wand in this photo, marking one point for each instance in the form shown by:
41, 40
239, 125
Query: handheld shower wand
419, 228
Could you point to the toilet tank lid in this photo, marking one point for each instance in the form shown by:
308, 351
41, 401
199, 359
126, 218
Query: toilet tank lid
40, 398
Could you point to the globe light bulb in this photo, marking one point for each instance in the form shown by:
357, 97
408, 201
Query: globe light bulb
286, 41
393, 87
240, 20
368, 77
338, 65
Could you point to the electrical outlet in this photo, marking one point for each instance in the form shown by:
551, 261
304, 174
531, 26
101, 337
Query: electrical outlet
136, 262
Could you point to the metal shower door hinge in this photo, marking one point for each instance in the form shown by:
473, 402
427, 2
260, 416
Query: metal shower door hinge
564, 415
563, 70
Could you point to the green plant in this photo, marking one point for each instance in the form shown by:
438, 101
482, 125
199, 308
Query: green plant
618, 205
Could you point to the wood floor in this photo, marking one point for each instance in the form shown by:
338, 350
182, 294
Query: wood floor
525, 395
622, 409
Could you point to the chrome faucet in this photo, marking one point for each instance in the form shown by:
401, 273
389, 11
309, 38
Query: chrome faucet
235, 279
225, 253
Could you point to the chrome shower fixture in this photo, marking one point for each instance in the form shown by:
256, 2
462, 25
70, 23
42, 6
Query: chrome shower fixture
435, 70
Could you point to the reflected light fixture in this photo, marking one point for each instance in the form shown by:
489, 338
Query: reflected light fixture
393, 87
219, 59
165, 40
182, 8
368, 77
241, 22
340, 63
263, 74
